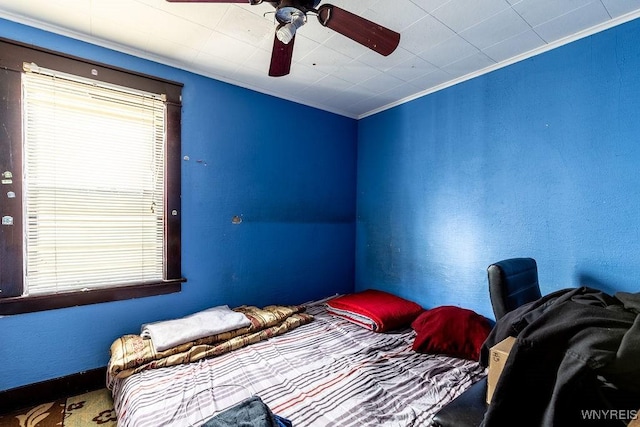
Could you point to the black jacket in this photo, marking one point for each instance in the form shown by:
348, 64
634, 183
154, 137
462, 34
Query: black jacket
576, 361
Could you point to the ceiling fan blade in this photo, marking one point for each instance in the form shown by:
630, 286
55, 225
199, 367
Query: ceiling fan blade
281, 56
367, 33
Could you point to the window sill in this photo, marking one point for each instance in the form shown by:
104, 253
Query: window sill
19, 305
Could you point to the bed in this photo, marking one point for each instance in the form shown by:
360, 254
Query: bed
327, 370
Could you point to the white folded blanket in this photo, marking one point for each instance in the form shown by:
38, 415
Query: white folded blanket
170, 333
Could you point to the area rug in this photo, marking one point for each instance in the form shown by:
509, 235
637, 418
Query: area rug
90, 409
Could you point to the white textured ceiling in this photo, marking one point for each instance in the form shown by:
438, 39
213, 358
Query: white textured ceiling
442, 41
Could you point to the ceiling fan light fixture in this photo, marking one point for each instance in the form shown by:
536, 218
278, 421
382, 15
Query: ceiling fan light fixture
286, 32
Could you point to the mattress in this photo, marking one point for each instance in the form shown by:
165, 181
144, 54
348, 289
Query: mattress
329, 372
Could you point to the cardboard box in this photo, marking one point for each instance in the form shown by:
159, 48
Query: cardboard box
497, 357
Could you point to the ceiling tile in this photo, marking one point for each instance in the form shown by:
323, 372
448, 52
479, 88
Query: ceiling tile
130, 36
247, 27
64, 14
355, 72
462, 14
344, 45
411, 68
401, 92
24, 8
325, 88
344, 101
381, 83
258, 61
537, 12
383, 63
306, 75
469, 64
227, 47
207, 15
572, 22
495, 29
303, 49
617, 8
315, 31
441, 41
431, 80
429, 5
514, 46
425, 34
372, 103
355, 93
451, 50
393, 16
327, 61
211, 65
186, 34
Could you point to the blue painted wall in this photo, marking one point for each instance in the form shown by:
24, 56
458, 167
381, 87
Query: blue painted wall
294, 191
538, 159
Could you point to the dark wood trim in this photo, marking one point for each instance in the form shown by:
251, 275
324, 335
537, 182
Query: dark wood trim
11, 236
12, 301
14, 54
48, 391
172, 193
30, 304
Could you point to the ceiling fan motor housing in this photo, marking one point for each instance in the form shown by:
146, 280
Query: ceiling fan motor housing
287, 9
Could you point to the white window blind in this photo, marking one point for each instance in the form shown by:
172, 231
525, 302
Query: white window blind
93, 183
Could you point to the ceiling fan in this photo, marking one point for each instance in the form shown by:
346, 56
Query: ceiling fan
292, 14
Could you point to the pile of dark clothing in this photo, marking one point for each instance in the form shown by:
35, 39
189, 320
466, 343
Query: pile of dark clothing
575, 362
251, 412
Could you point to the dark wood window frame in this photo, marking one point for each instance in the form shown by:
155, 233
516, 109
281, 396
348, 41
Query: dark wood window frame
13, 56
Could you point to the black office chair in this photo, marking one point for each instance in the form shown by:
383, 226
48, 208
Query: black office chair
512, 283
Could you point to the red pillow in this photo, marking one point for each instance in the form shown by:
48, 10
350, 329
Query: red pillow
451, 330
376, 310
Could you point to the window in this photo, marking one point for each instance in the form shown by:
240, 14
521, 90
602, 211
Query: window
91, 182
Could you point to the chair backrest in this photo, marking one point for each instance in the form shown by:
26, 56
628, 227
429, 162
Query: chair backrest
512, 283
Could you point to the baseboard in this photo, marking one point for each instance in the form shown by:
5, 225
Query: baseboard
47, 391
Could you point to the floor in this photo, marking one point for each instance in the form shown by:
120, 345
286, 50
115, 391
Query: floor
94, 408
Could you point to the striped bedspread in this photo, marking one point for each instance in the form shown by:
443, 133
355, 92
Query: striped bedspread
328, 372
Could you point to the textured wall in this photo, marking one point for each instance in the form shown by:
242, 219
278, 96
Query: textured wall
536, 159
293, 188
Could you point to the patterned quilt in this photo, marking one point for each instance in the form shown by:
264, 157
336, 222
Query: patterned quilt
131, 354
